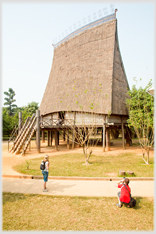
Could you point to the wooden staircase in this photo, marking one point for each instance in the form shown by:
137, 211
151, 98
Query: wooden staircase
24, 137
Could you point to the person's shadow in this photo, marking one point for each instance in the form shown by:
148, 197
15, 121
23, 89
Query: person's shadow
138, 200
57, 187
137, 206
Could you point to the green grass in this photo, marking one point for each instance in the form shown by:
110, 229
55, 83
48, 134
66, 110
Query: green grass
25, 212
100, 166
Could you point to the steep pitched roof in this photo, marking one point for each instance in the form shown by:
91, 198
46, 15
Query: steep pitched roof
87, 74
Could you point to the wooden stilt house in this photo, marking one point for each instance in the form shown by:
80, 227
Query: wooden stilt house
87, 76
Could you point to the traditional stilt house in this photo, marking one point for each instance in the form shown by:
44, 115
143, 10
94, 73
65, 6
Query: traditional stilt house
87, 76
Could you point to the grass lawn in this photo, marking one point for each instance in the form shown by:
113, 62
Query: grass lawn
100, 166
25, 212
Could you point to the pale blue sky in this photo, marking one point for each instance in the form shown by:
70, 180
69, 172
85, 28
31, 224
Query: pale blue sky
28, 30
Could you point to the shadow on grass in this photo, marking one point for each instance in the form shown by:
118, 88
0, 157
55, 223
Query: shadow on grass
138, 201
14, 197
137, 207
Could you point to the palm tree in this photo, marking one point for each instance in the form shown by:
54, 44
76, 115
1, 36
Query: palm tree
10, 100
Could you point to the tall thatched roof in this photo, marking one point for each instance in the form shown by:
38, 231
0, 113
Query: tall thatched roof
87, 73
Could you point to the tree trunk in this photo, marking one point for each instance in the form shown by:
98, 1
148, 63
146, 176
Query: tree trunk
148, 155
86, 160
85, 154
146, 152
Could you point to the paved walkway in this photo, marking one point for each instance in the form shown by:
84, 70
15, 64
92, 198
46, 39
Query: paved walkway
97, 188
104, 187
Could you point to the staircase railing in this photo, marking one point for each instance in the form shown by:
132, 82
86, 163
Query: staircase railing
26, 134
14, 133
22, 133
32, 131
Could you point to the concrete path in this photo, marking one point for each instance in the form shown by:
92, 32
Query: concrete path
17, 183
102, 188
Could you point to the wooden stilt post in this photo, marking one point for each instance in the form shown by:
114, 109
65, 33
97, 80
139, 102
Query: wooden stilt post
73, 143
104, 133
64, 135
108, 139
123, 135
48, 138
38, 130
51, 138
56, 140
67, 138
58, 136
19, 122
30, 146
43, 136
77, 145
73, 137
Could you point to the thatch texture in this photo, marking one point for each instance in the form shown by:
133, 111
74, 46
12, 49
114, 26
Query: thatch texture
87, 74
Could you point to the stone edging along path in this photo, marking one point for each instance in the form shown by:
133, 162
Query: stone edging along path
77, 178
9, 160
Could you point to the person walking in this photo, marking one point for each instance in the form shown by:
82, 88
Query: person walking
124, 194
45, 172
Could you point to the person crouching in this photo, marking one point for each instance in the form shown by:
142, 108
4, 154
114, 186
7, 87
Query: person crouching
124, 194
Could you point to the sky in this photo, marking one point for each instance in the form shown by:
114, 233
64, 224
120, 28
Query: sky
30, 28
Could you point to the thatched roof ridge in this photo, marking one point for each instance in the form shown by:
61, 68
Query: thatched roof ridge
87, 26
84, 74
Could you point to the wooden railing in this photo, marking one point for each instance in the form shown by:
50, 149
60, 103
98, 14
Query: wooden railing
15, 132
46, 122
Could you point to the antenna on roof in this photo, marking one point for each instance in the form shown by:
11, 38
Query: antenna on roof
116, 11
100, 16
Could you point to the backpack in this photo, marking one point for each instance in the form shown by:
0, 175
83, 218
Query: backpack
42, 165
132, 202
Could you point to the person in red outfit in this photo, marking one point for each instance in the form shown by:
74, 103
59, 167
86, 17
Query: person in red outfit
124, 194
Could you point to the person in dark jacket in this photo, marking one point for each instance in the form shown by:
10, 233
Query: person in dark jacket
124, 194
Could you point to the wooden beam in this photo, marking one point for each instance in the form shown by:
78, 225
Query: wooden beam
19, 122
64, 135
48, 138
108, 139
58, 136
104, 133
30, 146
56, 140
38, 130
77, 144
123, 135
73, 137
43, 136
67, 138
51, 138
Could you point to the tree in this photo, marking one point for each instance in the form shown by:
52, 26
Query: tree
85, 135
29, 110
141, 114
9, 101
84, 132
9, 122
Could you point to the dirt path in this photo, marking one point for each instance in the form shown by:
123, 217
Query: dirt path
9, 160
